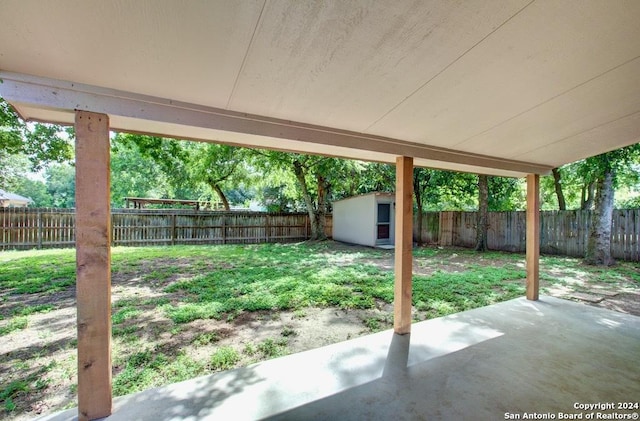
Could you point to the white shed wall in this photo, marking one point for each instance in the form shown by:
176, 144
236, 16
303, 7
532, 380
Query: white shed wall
354, 220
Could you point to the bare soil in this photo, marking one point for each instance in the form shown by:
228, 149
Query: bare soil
48, 343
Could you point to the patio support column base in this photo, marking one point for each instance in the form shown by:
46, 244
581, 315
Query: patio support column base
403, 245
93, 265
533, 236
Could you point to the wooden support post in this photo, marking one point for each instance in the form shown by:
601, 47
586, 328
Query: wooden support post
403, 246
93, 265
533, 236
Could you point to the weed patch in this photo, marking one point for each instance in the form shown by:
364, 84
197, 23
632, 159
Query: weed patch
13, 324
224, 358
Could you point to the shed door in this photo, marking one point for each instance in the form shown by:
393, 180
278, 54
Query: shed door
384, 221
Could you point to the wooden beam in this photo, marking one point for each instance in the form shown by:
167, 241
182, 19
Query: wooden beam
533, 236
93, 265
217, 124
404, 245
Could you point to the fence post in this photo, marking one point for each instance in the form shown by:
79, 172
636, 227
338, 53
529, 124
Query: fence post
39, 224
224, 229
173, 229
267, 228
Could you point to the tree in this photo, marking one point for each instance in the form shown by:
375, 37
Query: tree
562, 203
61, 185
134, 174
605, 169
194, 169
40, 143
220, 167
481, 216
421, 178
315, 177
35, 190
12, 169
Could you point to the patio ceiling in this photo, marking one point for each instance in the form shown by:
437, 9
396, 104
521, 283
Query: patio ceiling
506, 88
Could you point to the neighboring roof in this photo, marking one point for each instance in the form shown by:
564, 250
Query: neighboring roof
5, 195
505, 88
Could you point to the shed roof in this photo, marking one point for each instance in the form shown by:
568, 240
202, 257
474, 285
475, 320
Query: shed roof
505, 88
375, 193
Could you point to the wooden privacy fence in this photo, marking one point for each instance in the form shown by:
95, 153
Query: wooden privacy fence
561, 232
22, 228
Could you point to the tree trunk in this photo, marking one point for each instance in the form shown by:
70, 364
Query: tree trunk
599, 244
298, 170
220, 193
483, 205
418, 194
588, 193
321, 219
562, 204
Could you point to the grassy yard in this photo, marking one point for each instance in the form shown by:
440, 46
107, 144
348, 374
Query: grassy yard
180, 312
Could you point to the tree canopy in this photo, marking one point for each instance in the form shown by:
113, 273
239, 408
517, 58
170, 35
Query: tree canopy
36, 161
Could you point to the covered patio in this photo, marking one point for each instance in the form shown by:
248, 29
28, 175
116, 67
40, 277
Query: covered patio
502, 88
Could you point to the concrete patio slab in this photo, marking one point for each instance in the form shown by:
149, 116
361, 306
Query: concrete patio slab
498, 362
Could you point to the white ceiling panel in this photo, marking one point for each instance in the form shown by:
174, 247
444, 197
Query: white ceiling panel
185, 50
604, 99
489, 86
349, 63
549, 48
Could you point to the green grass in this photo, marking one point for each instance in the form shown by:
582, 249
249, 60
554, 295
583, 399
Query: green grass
191, 283
224, 358
205, 339
13, 324
123, 314
272, 348
33, 382
147, 369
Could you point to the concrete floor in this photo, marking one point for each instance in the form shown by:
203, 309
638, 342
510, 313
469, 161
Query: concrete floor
485, 364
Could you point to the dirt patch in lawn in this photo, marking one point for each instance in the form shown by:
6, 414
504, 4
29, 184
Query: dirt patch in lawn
39, 361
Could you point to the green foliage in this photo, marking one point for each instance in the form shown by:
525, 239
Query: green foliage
578, 178
33, 309
13, 324
205, 339
146, 369
35, 190
193, 311
24, 386
224, 358
10, 391
222, 280
444, 293
124, 314
619, 161
61, 185
134, 174
14, 170
33, 271
272, 349
41, 143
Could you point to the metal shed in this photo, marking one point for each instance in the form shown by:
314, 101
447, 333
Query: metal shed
367, 219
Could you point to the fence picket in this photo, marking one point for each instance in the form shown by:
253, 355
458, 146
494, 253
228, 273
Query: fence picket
562, 232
